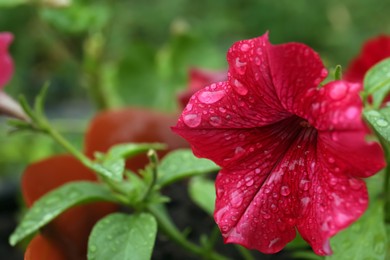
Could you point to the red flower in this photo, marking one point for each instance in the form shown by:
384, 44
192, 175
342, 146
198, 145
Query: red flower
199, 78
292, 154
373, 51
6, 64
66, 237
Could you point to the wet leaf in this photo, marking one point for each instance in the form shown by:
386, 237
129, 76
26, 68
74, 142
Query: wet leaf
49, 206
182, 163
122, 236
112, 164
202, 192
365, 239
377, 82
380, 121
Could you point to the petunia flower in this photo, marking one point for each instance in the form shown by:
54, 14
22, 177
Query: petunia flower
292, 154
373, 51
66, 237
6, 64
198, 79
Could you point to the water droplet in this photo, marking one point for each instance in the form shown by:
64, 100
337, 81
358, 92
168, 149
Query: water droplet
338, 91
245, 47
266, 216
324, 72
240, 66
306, 52
215, 121
210, 97
236, 199
52, 200
382, 123
74, 194
331, 160
305, 201
92, 248
355, 184
249, 182
352, 112
304, 185
240, 88
222, 109
285, 191
257, 171
239, 150
192, 120
267, 190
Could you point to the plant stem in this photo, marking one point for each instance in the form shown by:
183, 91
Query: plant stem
175, 235
386, 182
245, 253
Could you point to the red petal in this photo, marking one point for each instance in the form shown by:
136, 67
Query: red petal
198, 79
373, 51
46, 175
41, 248
71, 229
6, 64
334, 201
296, 69
335, 106
131, 125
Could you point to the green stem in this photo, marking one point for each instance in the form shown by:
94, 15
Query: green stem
245, 253
386, 182
166, 225
66, 145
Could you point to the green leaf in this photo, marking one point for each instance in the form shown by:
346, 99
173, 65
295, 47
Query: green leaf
180, 164
121, 236
202, 192
377, 83
112, 164
11, 3
52, 204
380, 121
365, 239
338, 72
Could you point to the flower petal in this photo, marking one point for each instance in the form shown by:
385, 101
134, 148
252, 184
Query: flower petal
366, 159
335, 106
6, 63
71, 229
259, 200
334, 202
131, 125
296, 69
198, 79
373, 51
44, 249
41, 177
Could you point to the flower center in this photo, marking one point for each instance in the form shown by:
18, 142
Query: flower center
305, 124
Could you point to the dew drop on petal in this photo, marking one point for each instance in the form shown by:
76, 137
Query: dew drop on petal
338, 91
210, 97
239, 150
285, 191
236, 199
245, 47
240, 88
331, 160
215, 121
355, 184
324, 72
240, 66
192, 120
352, 112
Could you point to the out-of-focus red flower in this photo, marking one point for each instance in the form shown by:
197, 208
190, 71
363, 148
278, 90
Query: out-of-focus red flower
198, 79
373, 51
66, 237
6, 64
291, 154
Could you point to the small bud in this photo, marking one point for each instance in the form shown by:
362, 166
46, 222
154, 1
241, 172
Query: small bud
10, 107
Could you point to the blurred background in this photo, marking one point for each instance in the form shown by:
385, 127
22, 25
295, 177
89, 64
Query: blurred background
138, 53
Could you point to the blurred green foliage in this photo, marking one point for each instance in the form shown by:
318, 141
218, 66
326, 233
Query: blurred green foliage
139, 52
